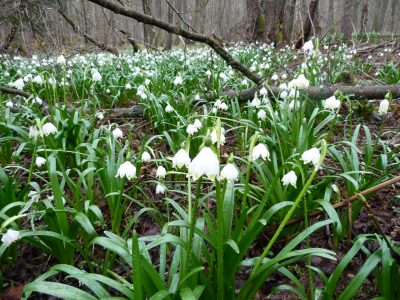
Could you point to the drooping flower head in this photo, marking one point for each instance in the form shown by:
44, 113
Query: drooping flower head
205, 163
180, 159
260, 151
126, 170
229, 172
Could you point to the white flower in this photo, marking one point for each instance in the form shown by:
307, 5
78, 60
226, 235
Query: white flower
205, 163
191, 129
18, 84
34, 196
126, 170
311, 156
40, 161
197, 97
161, 172
335, 188
229, 172
38, 79
10, 236
117, 133
37, 100
290, 178
100, 115
262, 114
384, 107
263, 91
96, 76
178, 80
33, 132
260, 150
61, 60
146, 156
332, 103
197, 124
300, 82
10, 104
208, 73
48, 129
128, 86
169, 108
275, 77
308, 47
223, 77
160, 189
255, 103
223, 106
181, 159
214, 136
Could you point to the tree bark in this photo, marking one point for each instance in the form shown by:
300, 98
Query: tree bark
88, 37
347, 25
289, 16
148, 31
10, 37
364, 16
149, 20
308, 23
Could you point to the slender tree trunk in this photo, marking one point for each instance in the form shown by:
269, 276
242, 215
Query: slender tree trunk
347, 25
289, 16
170, 36
364, 16
148, 31
308, 23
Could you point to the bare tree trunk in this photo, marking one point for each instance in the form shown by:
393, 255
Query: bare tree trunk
308, 23
170, 37
10, 37
148, 31
254, 16
290, 10
380, 16
364, 16
347, 25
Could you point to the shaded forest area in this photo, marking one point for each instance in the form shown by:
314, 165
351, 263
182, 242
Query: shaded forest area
27, 26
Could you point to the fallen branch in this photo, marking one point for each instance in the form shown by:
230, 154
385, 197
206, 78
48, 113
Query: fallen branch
345, 203
366, 92
12, 91
75, 28
197, 37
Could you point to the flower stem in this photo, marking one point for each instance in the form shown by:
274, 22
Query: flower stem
291, 210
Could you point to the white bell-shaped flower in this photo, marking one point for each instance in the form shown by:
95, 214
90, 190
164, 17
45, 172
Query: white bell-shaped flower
146, 156
191, 129
161, 172
48, 129
180, 159
229, 172
160, 189
10, 236
312, 155
384, 107
126, 170
40, 161
117, 133
260, 151
289, 178
332, 103
214, 136
205, 163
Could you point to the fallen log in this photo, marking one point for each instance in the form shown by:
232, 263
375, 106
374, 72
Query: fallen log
367, 92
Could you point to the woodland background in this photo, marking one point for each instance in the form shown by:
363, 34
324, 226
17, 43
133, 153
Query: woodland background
34, 25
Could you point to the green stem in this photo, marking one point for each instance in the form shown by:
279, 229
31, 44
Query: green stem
220, 242
291, 210
192, 222
379, 134
118, 210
